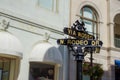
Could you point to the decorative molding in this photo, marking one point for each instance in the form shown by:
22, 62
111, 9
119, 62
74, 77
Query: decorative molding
90, 3
111, 48
33, 32
100, 22
104, 48
110, 23
4, 23
11, 52
115, 49
30, 23
46, 36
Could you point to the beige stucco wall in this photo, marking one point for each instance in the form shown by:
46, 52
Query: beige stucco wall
100, 6
114, 53
114, 8
28, 16
107, 9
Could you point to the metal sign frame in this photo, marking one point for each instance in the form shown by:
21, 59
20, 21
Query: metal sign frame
80, 38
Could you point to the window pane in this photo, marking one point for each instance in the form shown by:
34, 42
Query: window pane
87, 12
95, 30
89, 16
0, 74
86, 77
41, 71
48, 4
94, 17
1, 65
81, 12
88, 26
6, 67
6, 70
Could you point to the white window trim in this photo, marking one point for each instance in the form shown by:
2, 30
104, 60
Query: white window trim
54, 6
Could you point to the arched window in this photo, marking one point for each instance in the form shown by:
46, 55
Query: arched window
117, 31
90, 18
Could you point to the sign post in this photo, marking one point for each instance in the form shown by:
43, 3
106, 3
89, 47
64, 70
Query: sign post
81, 42
79, 58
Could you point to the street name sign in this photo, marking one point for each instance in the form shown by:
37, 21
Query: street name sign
81, 42
77, 34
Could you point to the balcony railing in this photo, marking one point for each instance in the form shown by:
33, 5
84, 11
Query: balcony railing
117, 42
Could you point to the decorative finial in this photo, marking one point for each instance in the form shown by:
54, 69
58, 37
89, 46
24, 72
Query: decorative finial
46, 35
4, 24
80, 26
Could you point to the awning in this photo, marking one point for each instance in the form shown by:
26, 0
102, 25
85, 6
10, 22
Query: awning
9, 45
45, 52
117, 62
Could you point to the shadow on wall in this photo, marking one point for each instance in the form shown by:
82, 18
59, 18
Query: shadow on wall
53, 55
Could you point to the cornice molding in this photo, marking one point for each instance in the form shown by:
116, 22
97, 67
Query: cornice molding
30, 23
110, 23
111, 48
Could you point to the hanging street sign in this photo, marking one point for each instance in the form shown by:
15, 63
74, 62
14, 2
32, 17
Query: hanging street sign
81, 37
77, 34
81, 42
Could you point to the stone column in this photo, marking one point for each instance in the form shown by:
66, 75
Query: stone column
111, 34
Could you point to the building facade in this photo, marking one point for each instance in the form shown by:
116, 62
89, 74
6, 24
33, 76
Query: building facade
29, 30
102, 18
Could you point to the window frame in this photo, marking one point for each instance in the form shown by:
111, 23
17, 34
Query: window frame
93, 21
13, 67
54, 7
56, 68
